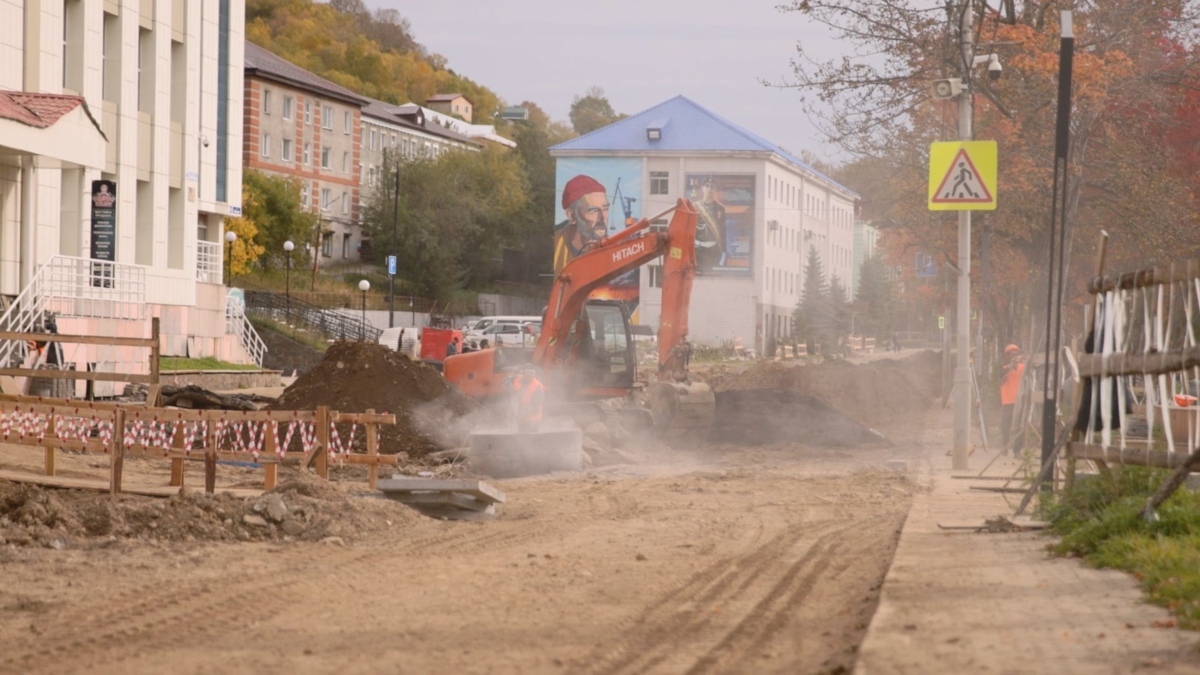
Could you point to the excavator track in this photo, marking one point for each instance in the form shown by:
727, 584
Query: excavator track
683, 412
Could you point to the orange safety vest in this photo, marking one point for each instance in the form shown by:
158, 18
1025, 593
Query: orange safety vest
530, 403
1011, 384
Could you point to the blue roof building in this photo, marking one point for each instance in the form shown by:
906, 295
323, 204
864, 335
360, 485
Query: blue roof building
761, 209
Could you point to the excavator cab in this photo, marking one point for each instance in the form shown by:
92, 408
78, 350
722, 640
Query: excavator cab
608, 361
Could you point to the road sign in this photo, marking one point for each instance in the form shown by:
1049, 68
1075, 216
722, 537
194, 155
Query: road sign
391, 265
962, 176
941, 323
925, 265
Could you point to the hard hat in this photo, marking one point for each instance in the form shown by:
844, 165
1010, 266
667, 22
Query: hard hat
1011, 348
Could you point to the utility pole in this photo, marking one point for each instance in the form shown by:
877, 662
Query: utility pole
395, 219
962, 370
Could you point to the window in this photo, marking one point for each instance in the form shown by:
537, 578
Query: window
659, 183
327, 244
287, 150
266, 102
327, 117
346, 245
325, 157
304, 195
266, 145
656, 275
371, 145
346, 122
371, 175
307, 153
393, 141
326, 198
345, 162
287, 107
345, 203
308, 113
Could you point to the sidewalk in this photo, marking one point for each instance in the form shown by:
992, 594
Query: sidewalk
966, 602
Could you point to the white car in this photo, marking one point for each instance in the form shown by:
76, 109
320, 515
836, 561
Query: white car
508, 333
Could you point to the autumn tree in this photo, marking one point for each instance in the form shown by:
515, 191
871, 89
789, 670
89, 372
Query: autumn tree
271, 215
1133, 69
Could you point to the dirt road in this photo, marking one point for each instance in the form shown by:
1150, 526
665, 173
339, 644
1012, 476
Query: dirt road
767, 559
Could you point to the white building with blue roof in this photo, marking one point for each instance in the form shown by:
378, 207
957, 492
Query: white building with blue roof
761, 209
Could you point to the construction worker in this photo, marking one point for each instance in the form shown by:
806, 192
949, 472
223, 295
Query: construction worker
530, 396
452, 346
1010, 385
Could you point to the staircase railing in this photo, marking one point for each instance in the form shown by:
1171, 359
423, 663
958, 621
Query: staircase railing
74, 287
236, 323
329, 323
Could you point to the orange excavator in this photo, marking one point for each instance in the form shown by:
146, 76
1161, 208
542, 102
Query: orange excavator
585, 350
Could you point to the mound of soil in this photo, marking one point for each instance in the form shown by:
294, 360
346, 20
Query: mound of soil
355, 376
876, 394
764, 417
302, 508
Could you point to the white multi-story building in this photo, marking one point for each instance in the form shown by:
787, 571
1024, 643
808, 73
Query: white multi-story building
766, 207
142, 98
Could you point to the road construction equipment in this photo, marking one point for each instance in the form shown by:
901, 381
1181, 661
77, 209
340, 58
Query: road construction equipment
586, 351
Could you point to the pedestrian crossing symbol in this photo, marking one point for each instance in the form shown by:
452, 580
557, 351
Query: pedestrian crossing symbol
962, 176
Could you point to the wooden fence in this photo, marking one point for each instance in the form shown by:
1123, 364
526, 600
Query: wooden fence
266, 438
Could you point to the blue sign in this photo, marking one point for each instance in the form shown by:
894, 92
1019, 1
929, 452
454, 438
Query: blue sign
391, 265
925, 265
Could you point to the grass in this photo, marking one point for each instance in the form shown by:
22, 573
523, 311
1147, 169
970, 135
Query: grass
1098, 520
206, 363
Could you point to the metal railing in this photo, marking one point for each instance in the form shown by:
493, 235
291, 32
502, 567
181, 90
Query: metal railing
75, 287
208, 262
329, 323
236, 323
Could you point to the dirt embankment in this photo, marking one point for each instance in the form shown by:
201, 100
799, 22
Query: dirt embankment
357, 376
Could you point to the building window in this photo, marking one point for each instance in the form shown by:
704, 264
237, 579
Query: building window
307, 153
345, 203
345, 162
659, 183
326, 198
393, 141
325, 157
287, 150
327, 117
304, 195
266, 102
327, 244
266, 145
371, 145
346, 122
370, 175
287, 107
308, 113
656, 274
346, 245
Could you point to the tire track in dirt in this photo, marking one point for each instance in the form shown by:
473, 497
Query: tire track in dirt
687, 613
112, 627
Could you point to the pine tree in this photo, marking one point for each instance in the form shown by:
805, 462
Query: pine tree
877, 296
812, 317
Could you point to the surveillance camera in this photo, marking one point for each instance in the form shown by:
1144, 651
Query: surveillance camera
946, 88
204, 140
994, 69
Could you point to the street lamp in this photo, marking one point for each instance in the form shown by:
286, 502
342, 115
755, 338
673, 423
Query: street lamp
363, 286
288, 246
230, 237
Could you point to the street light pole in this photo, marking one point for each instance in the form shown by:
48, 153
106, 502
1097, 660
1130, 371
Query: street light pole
288, 246
395, 221
962, 370
363, 286
230, 237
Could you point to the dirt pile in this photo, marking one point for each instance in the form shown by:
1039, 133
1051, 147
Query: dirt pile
355, 376
302, 508
835, 403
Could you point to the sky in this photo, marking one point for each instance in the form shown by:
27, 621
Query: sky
640, 52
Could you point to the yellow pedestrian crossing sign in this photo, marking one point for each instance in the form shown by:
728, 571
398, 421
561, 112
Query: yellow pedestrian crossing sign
962, 176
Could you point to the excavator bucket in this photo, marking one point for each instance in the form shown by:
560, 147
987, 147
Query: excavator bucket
683, 412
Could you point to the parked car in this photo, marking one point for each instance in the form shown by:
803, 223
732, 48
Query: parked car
475, 333
508, 334
643, 333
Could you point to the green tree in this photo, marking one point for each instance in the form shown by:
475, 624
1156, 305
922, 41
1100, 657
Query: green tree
592, 111
877, 298
812, 317
456, 214
839, 313
272, 204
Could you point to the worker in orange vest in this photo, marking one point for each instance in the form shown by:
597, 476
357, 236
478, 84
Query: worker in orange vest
530, 397
1010, 385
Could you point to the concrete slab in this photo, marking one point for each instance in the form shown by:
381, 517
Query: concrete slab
512, 454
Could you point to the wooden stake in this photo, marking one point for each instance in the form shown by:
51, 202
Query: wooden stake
270, 469
50, 433
177, 462
210, 458
319, 458
372, 451
117, 452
